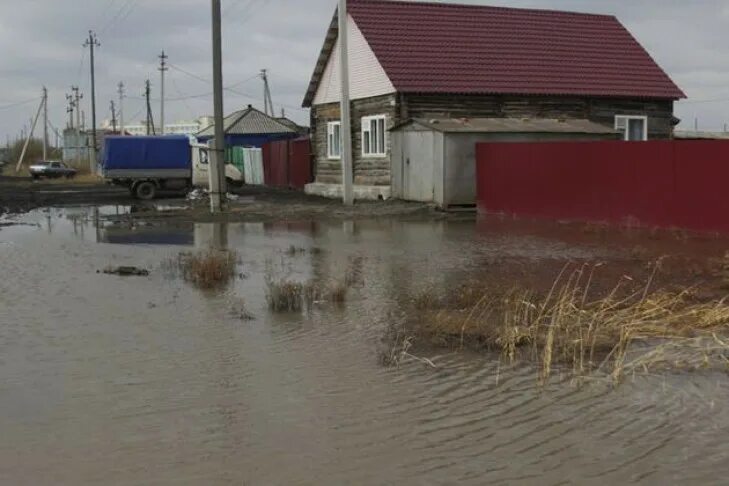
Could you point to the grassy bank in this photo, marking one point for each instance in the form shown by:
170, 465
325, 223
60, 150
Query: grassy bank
570, 327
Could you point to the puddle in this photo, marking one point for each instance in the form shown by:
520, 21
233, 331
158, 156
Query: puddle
135, 380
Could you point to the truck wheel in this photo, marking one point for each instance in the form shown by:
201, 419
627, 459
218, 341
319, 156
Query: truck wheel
145, 191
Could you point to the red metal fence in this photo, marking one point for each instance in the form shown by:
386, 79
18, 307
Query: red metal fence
287, 163
663, 183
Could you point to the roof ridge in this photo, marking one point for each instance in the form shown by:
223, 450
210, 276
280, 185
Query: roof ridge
432, 3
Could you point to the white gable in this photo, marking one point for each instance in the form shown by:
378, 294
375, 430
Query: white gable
366, 76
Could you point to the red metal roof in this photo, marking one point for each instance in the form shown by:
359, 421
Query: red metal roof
450, 48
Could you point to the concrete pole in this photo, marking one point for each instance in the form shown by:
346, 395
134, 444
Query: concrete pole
45, 123
217, 161
346, 121
92, 43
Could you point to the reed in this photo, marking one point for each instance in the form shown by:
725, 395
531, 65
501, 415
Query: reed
618, 333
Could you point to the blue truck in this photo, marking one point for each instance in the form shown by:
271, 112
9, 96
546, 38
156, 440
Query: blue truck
149, 165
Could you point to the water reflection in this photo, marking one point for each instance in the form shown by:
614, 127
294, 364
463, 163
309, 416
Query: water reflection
112, 380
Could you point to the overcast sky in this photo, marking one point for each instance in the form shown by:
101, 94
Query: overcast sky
42, 45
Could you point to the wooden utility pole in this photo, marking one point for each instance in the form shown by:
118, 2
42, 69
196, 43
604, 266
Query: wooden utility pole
91, 43
162, 69
77, 103
121, 107
150, 118
45, 123
217, 162
346, 122
70, 110
113, 117
30, 136
267, 101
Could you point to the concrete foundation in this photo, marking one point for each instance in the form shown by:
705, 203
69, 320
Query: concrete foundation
362, 193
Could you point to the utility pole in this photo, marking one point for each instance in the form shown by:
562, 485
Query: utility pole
267, 101
30, 135
77, 96
217, 164
70, 110
346, 122
45, 123
162, 69
121, 107
150, 118
113, 117
92, 42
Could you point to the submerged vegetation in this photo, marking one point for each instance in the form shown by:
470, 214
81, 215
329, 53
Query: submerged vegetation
208, 269
625, 331
290, 296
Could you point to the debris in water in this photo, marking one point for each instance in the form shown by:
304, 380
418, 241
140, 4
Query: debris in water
126, 271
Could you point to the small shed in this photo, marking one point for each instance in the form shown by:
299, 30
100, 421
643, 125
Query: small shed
434, 160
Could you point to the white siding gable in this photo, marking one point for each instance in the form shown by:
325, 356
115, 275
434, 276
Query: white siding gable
367, 78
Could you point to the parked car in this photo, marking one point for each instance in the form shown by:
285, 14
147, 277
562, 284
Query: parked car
51, 170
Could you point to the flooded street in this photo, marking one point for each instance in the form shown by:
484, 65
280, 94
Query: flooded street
111, 380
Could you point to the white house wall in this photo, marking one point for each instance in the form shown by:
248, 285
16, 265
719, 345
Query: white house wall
367, 77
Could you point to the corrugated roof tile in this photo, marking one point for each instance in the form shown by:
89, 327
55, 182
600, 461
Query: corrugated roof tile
440, 48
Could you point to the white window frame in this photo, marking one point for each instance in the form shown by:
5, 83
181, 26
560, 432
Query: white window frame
368, 138
331, 127
622, 123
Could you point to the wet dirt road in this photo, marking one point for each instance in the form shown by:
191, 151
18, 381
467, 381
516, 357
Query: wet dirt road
150, 381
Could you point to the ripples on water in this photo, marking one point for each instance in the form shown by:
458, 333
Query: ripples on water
119, 381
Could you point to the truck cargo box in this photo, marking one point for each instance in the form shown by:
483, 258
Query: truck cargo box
157, 156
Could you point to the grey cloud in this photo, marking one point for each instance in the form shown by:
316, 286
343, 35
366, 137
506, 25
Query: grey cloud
42, 45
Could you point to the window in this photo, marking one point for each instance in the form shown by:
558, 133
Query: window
374, 136
334, 140
634, 128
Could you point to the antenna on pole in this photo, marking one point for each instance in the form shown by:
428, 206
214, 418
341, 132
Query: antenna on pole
162, 69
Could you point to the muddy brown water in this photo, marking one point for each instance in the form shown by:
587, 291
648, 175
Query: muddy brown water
110, 380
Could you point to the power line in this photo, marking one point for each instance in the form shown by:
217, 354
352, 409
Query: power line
19, 103
192, 75
120, 15
104, 12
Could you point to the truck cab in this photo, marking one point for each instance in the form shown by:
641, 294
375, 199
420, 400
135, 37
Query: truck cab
201, 167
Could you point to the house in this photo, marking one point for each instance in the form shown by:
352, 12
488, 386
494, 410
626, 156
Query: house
415, 60
250, 128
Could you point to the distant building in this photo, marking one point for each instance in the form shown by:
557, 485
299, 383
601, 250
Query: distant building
250, 128
177, 128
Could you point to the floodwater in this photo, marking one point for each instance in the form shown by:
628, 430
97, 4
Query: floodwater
110, 380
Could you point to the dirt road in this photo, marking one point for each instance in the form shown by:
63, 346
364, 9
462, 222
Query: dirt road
19, 195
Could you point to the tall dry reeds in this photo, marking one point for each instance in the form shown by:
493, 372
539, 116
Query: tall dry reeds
570, 327
207, 269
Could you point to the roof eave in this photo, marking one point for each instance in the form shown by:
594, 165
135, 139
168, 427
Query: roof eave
321, 63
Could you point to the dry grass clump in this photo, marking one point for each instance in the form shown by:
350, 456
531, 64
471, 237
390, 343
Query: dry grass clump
284, 296
207, 269
615, 334
289, 296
